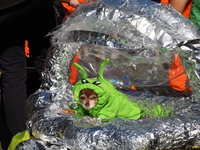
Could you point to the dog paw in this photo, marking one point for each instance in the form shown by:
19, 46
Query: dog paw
67, 111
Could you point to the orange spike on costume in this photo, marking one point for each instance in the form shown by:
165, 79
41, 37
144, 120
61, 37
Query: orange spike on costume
74, 70
177, 77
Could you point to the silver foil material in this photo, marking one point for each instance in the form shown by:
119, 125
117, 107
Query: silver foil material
142, 26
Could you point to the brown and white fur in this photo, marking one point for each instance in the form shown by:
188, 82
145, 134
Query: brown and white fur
88, 99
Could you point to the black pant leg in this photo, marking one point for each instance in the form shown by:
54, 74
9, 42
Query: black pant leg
14, 72
13, 67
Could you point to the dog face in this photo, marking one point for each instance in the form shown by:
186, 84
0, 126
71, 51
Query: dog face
88, 98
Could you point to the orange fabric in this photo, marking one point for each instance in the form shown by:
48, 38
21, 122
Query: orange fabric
74, 70
69, 9
27, 49
186, 12
165, 2
177, 76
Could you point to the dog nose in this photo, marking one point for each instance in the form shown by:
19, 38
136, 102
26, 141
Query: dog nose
87, 104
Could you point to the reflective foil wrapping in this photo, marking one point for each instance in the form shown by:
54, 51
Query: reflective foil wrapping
140, 37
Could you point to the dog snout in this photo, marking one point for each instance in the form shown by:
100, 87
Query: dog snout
87, 104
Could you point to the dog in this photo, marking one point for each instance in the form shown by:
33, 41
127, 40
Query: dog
97, 97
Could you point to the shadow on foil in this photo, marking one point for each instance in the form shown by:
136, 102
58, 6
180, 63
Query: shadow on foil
141, 38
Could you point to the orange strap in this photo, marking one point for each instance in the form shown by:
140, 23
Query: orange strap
27, 49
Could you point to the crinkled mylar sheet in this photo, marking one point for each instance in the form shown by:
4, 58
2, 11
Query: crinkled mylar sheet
116, 24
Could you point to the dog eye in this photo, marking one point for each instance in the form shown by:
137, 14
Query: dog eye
82, 98
93, 97
96, 83
84, 81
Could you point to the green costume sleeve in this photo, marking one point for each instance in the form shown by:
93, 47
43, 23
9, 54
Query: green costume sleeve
110, 110
120, 107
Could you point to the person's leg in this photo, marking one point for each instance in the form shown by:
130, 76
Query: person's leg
13, 68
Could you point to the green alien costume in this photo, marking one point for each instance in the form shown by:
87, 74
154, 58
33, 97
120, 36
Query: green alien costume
111, 102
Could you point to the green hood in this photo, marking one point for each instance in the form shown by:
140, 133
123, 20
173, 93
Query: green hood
101, 89
111, 102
